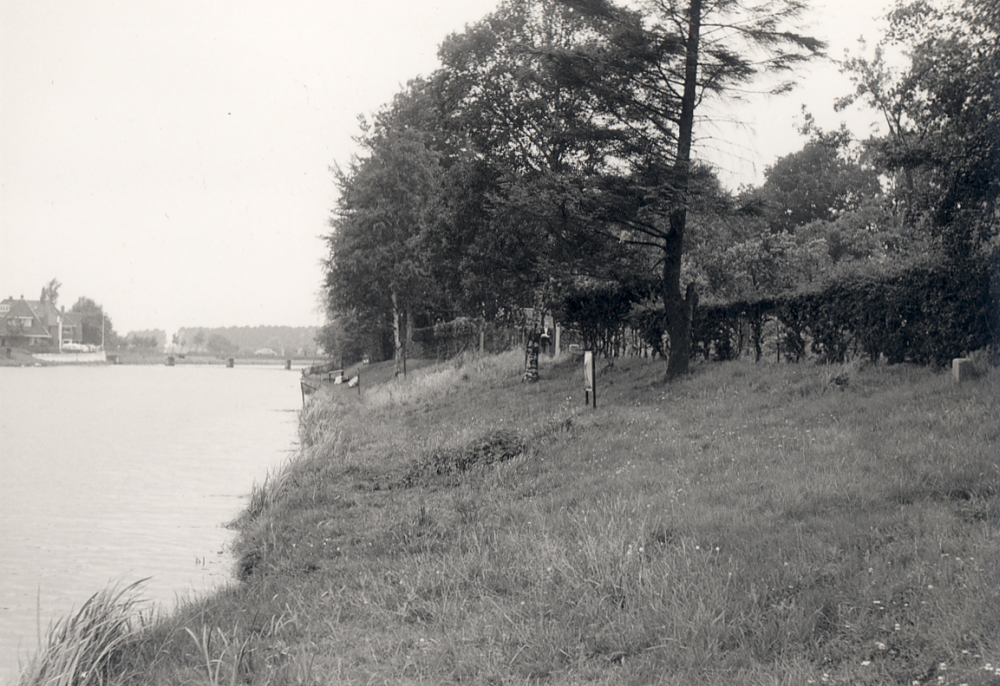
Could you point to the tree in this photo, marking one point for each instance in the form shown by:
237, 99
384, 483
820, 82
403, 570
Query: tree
818, 183
650, 78
533, 130
376, 263
343, 337
482, 263
152, 338
941, 111
220, 345
569, 125
198, 339
134, 340
50, 291
97, 325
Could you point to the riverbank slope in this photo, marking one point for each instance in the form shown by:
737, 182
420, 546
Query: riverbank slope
750, 524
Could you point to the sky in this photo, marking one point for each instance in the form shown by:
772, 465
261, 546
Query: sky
171, 160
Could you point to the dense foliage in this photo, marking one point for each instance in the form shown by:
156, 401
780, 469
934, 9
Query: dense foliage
928, 313
554, 145
98, 329
548, 167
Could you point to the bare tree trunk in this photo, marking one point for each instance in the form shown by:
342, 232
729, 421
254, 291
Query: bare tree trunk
399, 352
408, 329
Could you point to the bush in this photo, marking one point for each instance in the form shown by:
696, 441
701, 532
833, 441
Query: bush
926, 314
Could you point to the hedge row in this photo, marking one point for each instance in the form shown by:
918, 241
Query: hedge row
926, 314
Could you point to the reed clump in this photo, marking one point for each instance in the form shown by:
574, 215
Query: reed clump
90, 645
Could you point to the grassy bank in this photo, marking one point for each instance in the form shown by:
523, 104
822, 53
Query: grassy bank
768, 524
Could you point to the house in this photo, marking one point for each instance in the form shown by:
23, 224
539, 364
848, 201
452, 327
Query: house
38, 324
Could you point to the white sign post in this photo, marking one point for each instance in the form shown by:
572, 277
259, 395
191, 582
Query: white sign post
590, 387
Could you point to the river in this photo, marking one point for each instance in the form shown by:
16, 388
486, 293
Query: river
116, 473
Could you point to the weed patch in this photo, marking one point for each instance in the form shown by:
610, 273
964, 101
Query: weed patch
493, 448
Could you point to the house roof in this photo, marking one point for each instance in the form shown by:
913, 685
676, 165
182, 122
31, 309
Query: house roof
22, 310
50, 314
44, 315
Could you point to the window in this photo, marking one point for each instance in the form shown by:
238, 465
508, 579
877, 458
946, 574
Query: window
4, 309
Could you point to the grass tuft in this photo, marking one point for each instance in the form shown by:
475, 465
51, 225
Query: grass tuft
264, 496
215, 666
88, 647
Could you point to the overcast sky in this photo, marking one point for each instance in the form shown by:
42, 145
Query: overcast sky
170, 160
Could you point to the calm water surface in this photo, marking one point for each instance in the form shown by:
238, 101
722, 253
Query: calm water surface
122, 472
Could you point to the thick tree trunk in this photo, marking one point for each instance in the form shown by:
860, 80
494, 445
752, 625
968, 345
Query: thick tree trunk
399, 352
680, 308
679, 330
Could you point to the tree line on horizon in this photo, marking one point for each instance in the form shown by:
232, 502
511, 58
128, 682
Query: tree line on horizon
547, 166
297, 341
97, 325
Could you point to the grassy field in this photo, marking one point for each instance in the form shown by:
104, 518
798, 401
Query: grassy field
750, 524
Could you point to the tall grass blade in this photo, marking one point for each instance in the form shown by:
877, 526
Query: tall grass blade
86, 647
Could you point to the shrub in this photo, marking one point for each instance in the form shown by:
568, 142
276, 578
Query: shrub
926, 314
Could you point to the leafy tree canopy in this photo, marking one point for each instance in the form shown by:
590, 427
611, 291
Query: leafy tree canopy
97, 325
942, 116
818, 183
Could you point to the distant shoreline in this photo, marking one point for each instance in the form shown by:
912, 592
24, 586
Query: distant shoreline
21, 358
